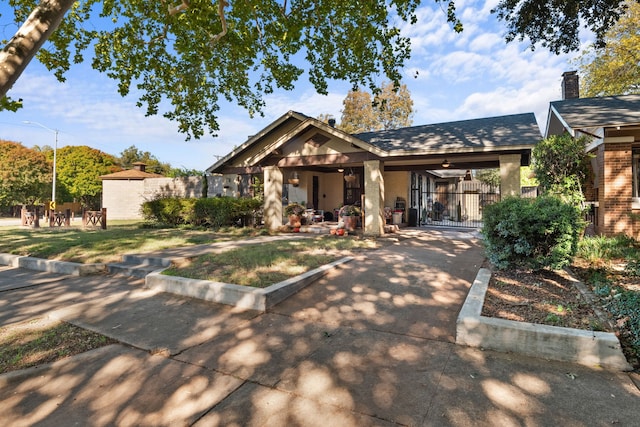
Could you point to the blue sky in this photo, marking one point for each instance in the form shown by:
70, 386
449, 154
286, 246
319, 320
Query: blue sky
459, 76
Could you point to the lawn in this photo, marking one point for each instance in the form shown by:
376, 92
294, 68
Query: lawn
90, 245
268, 263
38, 341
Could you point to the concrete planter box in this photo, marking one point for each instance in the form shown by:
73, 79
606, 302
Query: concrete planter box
589, 348
51, 266
244, 297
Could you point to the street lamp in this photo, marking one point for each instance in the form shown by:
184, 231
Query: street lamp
55, 154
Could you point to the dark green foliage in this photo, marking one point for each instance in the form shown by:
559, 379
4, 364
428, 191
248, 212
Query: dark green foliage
625, 305
561, 166
531, 233
214, 212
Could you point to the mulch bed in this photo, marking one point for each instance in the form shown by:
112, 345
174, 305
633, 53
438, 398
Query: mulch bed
543, 297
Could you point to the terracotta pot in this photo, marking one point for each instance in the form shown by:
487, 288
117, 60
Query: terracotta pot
295, 221
340, 231
350, 222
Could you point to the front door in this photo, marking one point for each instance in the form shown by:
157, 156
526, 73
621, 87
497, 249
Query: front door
315, 192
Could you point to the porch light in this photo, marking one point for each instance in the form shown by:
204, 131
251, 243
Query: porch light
446, 164
340, 169
350, 177
295, 179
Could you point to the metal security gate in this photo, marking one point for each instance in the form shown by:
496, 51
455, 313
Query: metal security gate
454, 209
448, 202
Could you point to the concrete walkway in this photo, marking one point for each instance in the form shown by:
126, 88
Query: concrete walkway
368, 344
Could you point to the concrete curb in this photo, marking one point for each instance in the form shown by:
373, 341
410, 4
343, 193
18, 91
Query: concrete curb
244, 297
588, 348
51, 266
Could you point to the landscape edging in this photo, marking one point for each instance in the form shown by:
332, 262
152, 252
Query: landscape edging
244, 297
51, 266
590, 348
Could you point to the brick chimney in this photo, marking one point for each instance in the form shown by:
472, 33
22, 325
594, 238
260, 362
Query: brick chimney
139, 166
570, 85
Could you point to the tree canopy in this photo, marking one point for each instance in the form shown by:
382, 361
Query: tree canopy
131, 155
615, 68
25, 175
391, 108
79, 171
186, 57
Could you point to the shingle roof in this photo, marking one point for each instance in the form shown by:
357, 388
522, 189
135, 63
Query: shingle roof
519, 130
131, 174
599, 112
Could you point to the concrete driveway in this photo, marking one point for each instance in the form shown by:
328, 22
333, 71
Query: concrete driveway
370, 344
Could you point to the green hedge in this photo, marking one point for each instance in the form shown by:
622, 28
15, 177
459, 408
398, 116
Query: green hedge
531, 233
213, 212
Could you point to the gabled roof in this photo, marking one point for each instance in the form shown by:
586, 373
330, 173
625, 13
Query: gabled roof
285, 128
513, 131
589, 113
408, 146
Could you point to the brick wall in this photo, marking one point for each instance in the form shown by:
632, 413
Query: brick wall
615, 192
122, 198
173, 187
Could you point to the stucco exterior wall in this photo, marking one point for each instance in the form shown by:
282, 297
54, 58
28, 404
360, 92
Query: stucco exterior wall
331, 186
396, 184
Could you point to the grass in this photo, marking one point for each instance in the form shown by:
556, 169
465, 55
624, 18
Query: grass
76, 244
263, 265
38, 341
35, 342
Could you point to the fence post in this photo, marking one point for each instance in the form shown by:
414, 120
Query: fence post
104, 218
67, 218
84, 217
36, 219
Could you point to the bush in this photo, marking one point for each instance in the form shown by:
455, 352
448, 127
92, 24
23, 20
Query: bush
214, 212
169, 210
531, 233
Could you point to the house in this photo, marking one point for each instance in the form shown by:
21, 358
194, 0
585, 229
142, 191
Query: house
301, 159
612, 125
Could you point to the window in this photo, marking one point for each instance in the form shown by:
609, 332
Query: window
635, 170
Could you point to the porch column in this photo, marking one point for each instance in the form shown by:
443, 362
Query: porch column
373, 198
272, 197
509, 175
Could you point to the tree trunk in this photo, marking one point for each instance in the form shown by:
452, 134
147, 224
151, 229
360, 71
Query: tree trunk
17, 54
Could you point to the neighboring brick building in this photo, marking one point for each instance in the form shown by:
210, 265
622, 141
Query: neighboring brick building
613, 126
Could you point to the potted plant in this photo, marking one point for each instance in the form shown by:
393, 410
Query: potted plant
294, 211
350, 215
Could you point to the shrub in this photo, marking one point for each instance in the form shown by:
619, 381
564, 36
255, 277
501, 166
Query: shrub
531, 233
169, 210
214, 212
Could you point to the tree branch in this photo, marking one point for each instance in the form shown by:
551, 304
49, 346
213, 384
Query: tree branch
179, 8
221, 5
22, 47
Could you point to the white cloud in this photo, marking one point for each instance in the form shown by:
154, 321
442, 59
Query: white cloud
485, 41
